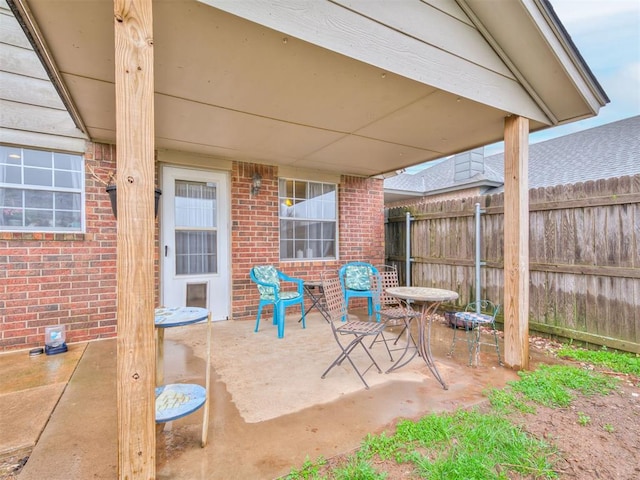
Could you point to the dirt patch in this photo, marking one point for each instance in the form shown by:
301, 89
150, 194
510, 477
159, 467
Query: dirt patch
597, 437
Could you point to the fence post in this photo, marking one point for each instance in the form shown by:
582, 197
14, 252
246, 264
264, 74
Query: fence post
479, 263
408, 259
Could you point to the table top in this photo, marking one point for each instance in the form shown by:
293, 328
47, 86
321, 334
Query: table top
422, 294
178, 400
178, 316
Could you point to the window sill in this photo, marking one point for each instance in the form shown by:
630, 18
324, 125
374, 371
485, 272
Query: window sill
41, 236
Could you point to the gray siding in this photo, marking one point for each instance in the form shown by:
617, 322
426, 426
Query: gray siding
31, 112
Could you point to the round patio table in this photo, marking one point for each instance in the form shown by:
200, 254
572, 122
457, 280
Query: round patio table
429, 300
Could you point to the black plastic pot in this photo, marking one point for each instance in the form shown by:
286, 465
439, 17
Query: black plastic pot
113, 196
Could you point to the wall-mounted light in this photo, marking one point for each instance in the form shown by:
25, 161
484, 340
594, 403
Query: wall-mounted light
256, 183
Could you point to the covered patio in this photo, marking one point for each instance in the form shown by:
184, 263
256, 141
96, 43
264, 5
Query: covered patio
71, 401
349, 88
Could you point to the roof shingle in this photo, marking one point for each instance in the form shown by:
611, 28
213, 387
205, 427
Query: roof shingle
606, 151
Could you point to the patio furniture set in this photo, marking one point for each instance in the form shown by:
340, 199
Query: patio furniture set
388, 305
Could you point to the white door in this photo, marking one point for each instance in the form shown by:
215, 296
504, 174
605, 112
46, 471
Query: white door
195, 240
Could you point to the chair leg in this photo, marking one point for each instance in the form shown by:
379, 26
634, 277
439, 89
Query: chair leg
473, 337
377, 309
258, 317
304, 322
453, 342
495, 337
410, 341
346, 351
384, 340
280, 322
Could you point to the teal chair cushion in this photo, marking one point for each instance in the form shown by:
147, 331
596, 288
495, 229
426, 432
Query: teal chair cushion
289, 295
267, 274
358, 278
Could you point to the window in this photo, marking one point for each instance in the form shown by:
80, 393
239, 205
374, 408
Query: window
40, 191
196, 228
308, 227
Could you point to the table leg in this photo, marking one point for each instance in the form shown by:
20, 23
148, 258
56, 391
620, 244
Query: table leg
424, 340
399, 363
207, 382
315, 302
159, 356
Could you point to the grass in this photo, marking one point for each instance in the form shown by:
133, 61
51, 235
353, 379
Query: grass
628, 363
481, 446
551, 386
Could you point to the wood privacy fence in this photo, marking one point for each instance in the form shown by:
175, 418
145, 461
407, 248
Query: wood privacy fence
584, 253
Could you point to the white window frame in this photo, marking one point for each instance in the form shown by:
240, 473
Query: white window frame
12, 157
304, 212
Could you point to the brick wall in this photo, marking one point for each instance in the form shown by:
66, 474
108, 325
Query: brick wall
62, 279
255, 232
70, 279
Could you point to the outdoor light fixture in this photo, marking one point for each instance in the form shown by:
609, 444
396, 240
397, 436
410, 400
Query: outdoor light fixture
256, 183
113, 197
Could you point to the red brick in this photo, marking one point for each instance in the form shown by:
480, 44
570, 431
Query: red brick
71, 278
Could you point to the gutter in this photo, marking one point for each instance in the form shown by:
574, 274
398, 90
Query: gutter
393, 173
452, 188
463, 186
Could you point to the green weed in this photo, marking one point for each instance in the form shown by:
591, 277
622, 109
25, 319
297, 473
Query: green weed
309, 470
583, 419
552, 385
620, 362
358, 468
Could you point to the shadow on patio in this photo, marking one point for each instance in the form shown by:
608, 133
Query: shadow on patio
270, 410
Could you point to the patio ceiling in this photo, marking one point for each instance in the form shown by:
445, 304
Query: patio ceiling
340, 86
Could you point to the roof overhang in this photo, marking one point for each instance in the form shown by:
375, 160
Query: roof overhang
394, 195
342, 86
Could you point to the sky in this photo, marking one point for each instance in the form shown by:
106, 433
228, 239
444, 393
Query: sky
607, 35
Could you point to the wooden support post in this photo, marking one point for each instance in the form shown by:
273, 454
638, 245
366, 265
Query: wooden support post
516, 242
135, 239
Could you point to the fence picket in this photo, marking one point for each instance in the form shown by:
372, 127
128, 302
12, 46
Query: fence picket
584, 254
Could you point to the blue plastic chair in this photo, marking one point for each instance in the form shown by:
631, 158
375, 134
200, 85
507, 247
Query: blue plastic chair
355, 278
268, 279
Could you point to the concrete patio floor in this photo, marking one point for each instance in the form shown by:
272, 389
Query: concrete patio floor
60, 411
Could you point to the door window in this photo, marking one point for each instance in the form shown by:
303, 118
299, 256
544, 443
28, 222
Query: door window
196, 228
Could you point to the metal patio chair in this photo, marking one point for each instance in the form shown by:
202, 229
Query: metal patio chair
269, 279
393, 311
477, 314
342, 327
